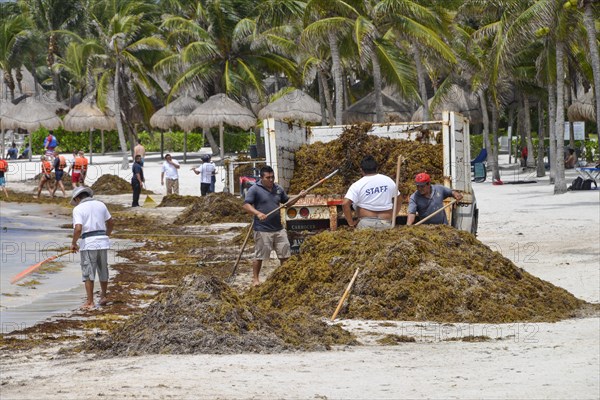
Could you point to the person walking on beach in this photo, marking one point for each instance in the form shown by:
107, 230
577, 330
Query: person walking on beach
137, 180
269, 233
84, 167
3, 170
93, 224
169, 171
75, 169
206, 171
50, 143
139, 150
428, 199
60, 162
45, 178
372, 196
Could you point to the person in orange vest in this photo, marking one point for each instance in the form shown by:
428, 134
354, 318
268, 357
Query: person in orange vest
60, 163
84, 167
46, 177
76, 168
3, 169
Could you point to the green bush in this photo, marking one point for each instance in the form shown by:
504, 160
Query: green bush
68, 141
173, 141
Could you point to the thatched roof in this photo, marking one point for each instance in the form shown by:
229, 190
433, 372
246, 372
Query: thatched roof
174, 113
364, 110
582, 109
295, 105
5, 106
219, 109
27, 84
30, 115
458, 100
86, 116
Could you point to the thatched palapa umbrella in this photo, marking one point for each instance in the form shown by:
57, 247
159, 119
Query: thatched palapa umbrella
5, 106
30, 115
457, 99
174, 114
582, 109
295, 105
364, 110
86, 116
216, 111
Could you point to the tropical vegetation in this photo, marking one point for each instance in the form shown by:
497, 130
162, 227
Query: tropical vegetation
524, 60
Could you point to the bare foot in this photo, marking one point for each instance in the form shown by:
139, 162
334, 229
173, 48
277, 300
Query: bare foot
87, 306
103, 301
255, 283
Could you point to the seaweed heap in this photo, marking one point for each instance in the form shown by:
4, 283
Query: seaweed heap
175, 200
430, 272
112, 184
66, 179
214, 208
313, 162
204, 315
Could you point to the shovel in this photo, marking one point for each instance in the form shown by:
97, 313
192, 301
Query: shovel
231, 278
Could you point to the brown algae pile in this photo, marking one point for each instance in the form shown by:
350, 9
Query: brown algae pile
313, 162
112, 184
424, 273
175, 200
214, 208
204, 315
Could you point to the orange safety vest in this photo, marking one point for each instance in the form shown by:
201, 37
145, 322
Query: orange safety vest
85, 164
77, 167
46, 167
62, 163
3, 166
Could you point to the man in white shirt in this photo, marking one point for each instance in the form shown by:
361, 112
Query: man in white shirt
206, 170
372, 197
169, 171
93, 224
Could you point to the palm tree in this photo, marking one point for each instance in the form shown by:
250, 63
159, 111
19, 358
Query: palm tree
13, 35
125, 32
590, 28
50, 16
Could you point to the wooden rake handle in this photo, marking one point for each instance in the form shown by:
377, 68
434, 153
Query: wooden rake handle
436, 212
346, 293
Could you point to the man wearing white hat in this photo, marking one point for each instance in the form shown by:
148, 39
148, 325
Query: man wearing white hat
93, 224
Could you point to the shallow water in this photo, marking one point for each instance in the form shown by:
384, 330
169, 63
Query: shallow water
30, 233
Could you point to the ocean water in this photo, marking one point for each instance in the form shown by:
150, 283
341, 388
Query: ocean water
30, 233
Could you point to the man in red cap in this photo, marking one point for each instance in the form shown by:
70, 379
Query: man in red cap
428, 199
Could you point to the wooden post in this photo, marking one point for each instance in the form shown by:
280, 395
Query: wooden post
91, 150
102, 140
185, 147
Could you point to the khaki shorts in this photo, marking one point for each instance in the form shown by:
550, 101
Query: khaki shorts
265, 242
92, 261
374, 223
172, 186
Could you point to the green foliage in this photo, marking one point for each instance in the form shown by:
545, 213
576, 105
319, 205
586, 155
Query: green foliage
173, 141
69, 141
238, 141
476, 144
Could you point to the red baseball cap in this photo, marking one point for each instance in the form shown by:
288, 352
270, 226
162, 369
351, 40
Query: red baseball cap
422, 178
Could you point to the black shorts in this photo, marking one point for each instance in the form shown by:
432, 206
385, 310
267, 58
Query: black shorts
59, 175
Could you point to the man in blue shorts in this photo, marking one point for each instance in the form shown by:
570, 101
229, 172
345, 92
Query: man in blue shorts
428, 199
60, 163
269, 233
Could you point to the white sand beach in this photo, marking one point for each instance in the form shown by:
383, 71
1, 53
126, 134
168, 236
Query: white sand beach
554, 237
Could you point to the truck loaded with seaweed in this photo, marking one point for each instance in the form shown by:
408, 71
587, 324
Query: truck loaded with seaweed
303, 155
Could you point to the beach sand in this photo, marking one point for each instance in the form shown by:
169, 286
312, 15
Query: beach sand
555, 237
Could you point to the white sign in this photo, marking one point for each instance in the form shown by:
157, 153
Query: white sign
578, 130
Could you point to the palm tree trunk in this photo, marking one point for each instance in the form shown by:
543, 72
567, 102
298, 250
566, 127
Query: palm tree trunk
421, 80
211, 140
377, 88
486, 122
560, 186
120, 130
322, 100
493, 163
552, 130
336, 69
52, 49
541, 170
10, 83
527, 121
327, 94
588, 22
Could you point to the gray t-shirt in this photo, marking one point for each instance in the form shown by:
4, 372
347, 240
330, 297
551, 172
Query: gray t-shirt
426, 206
265, 201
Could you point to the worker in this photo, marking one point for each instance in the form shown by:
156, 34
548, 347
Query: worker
139, 150
269, 233
3, 170
428, 199
45, 178
84, 167
206, 171
372, 197
60, 163
137, 180
93, 224
169, 170
76, 168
